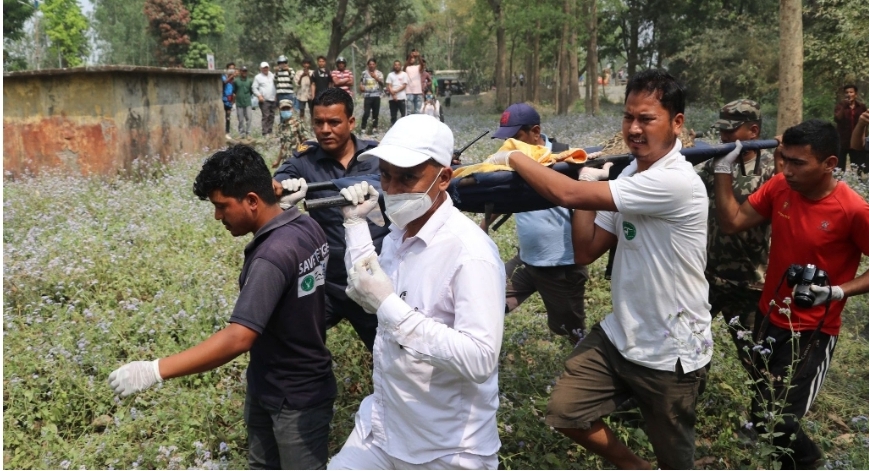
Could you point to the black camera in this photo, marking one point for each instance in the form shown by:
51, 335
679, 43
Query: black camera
804, 277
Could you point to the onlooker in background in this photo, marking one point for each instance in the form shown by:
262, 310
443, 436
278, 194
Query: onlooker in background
322, 80
243, 84
228, 94
847, 113
290, 132
817, 222
545, 263
304, 86
432, 107
371, 86
333, 156
343, 77
860, 148
448, 92
396, 84
264, 90
284, 78
425, 77
414, 85
278, 317
736, 263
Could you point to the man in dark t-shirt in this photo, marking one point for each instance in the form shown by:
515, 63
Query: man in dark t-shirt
279, 318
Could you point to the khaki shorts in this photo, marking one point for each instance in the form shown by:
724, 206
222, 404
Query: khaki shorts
597, 378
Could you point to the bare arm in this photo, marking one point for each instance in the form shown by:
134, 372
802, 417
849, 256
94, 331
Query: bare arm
839, 112
215, 351
859, 285
590, 241
561, 189
860, 131
733, 217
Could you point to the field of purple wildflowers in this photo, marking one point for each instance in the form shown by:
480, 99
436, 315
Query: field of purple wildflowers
100, 271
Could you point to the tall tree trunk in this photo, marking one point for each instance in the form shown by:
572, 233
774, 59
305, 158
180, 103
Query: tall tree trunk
368, 54
790, 64
573, 84
532, 66
500, 55
511, 73
593, 100
562, 105
634, 35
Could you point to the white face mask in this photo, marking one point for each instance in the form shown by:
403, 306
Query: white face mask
404, 208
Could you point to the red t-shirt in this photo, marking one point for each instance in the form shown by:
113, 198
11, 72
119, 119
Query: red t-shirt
830, 233
347, 74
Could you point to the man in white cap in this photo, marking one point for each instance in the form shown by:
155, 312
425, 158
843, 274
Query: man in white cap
438, 293
264, 89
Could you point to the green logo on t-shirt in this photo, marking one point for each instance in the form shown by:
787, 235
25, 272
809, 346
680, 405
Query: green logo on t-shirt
629, 230
308, 283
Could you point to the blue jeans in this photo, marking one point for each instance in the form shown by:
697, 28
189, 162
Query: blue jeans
282, 438
414, 103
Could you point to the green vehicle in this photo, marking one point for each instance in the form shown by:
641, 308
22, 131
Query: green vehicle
455, 80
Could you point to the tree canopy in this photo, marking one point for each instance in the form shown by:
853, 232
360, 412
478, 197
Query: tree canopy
721, 49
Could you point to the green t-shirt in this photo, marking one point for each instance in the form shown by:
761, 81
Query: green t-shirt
243, 91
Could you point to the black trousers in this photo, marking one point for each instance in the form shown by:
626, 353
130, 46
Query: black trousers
395, 107
860, 158
370, 106
807, 358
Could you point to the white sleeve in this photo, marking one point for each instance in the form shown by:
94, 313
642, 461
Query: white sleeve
255, 87
471, 346
655, 192
606, 221
359, 244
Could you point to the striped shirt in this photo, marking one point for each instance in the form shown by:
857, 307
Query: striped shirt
339, 75
284, 81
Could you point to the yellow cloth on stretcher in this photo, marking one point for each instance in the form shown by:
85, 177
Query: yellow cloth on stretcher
541, 154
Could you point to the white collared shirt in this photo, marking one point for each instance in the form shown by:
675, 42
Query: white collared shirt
660, 294
438, 339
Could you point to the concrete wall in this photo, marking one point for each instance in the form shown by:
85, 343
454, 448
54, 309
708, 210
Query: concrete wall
99, 119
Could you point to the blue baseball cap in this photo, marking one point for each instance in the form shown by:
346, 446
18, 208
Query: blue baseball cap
514, 117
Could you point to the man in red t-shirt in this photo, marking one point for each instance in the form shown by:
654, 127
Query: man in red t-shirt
817, 220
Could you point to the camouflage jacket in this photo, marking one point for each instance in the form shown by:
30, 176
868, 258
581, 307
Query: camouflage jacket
738, 259
292, 135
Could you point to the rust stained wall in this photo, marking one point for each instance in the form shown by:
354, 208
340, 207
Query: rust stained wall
98, 120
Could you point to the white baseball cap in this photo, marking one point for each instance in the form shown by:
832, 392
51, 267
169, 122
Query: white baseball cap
263, 64
412, 140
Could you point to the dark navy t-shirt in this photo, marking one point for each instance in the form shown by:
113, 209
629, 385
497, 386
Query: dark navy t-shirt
283, 299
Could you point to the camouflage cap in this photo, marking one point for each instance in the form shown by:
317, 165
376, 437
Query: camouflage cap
285, 104
736, 113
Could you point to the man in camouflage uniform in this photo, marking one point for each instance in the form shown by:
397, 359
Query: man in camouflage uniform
290, 132
736, 264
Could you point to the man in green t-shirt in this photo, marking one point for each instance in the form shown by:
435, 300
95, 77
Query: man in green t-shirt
243, 85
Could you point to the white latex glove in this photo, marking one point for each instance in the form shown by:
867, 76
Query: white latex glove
725, 164
834, 293
500, 158
297, 187
135, 377
591, 174
364, 198
368, 284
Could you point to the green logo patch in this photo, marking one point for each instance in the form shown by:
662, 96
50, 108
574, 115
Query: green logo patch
629, 229
308, 283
